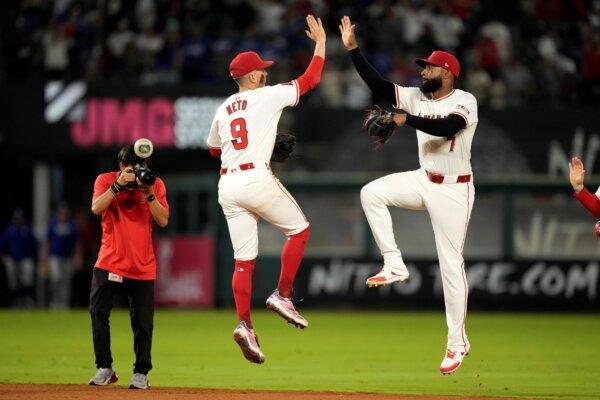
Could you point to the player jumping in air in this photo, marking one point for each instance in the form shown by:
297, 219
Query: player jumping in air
445, 119
243, 134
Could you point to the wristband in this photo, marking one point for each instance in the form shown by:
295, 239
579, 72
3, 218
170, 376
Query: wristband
151, 198
115, 188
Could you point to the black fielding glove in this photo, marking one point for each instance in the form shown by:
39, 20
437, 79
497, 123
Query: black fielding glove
380, 125
284, 145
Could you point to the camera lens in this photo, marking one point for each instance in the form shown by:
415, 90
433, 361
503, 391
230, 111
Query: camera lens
147, 177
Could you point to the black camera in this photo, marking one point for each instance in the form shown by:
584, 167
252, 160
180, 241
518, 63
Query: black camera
138, 155
144, 174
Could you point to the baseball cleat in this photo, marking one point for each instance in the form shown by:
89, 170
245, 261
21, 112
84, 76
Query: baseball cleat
139, 381
248, 342
103, 377
284, 307
387, 276
452, 361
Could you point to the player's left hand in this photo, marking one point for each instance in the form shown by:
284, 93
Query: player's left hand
576, 174
284, 145
380, 125
315, 31
399, 119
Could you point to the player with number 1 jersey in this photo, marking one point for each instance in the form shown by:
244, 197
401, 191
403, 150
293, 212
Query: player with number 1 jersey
445, 119
243, 135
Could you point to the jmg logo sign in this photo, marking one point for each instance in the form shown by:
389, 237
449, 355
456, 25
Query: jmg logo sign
111, 121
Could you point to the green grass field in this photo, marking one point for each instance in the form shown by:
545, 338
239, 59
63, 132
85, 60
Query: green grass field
532, 355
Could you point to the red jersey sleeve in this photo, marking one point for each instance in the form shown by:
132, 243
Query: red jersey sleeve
312, 75
589, 201
214, 151
102, 184
160, 191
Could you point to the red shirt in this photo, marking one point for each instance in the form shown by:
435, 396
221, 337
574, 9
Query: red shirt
126, 247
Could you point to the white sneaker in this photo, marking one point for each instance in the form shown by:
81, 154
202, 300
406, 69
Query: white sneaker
103, 377
139, 381
388, 275
452, 361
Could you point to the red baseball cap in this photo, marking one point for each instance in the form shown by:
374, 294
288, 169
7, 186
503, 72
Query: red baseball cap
441, 59
245, 63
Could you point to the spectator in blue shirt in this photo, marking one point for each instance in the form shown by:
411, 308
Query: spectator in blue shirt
18, 249
60, 252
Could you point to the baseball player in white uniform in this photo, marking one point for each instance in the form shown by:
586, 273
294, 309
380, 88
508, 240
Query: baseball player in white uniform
243, 134
445, 119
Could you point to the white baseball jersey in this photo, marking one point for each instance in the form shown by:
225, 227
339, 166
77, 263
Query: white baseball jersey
449, 203
244, 128
447, 156
245, 125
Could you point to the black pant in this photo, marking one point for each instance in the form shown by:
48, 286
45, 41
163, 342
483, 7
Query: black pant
141, 310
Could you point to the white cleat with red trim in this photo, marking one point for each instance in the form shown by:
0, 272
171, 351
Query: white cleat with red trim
388, 275
452, 361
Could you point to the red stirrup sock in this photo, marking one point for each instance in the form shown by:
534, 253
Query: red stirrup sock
242, 289
291, 256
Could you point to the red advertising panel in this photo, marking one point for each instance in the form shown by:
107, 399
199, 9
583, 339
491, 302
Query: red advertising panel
185, 276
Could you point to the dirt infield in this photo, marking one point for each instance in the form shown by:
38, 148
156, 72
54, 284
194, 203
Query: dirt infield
20, 391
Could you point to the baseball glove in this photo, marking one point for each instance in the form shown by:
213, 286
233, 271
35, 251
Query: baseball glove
380, 125
284, 145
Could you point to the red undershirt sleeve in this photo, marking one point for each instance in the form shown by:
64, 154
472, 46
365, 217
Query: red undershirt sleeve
589, 201
215, 151
312, 75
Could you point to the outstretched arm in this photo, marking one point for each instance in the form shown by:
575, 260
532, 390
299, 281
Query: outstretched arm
590, 201
576, 175
312, 75
379, 86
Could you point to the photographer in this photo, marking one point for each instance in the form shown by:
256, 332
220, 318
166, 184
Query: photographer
128, 200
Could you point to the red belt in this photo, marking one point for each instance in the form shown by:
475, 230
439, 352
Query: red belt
242, 167
438, 178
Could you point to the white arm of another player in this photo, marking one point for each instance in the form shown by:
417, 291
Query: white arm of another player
213, 140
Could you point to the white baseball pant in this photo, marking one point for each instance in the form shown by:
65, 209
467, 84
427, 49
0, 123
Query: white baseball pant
247, 195
449, 206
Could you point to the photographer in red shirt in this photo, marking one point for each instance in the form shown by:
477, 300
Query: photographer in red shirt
128, 200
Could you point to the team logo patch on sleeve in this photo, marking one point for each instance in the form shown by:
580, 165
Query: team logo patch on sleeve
462, 108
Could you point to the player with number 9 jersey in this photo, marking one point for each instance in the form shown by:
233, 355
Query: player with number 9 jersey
245, 125
243, 135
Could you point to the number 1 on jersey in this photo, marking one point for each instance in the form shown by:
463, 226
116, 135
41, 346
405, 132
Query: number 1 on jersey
239, 132
452, 142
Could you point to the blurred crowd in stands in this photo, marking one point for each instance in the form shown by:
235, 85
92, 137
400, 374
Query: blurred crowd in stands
53, 271
512, 52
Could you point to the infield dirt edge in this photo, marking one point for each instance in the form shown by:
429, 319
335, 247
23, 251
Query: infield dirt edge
33, 391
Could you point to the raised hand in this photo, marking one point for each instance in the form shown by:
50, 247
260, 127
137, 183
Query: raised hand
576, 174
347, 31
315, 29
